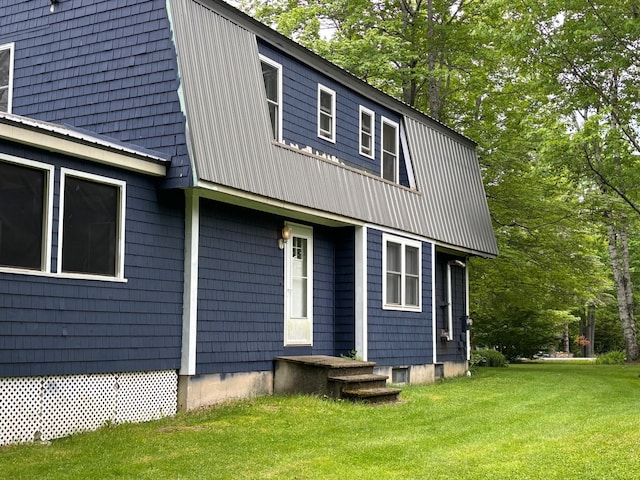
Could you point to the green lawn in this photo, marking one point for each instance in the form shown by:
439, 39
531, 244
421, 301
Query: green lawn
534, 421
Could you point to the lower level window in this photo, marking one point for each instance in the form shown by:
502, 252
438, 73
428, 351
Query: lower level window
24, 214
401, 273
92, 223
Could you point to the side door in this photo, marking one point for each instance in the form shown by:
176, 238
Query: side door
298, 284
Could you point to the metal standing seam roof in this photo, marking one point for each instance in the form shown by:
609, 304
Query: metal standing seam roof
86, 138
230, 144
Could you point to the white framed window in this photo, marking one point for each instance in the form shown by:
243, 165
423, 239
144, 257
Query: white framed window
390, 150
91, 228
26, 210
272, 76
326, 113
367, 132
6, 77
401, 273
298, 266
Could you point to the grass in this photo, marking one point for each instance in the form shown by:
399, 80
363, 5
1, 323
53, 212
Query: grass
533, 421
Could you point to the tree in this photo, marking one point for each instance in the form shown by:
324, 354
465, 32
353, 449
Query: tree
415, 50
588, 52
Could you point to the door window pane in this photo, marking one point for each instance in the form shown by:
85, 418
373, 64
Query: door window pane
299, 277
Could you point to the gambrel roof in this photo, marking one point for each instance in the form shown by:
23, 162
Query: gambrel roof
230, 140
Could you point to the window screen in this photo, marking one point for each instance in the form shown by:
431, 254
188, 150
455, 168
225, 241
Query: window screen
270, 76
394, 273
22, 215
366, 133
90, 227
389, 151
5, 79
326, 114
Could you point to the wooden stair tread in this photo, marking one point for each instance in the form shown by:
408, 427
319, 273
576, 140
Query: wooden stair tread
364, 377
372, 392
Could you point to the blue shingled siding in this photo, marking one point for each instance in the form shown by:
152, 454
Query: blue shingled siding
454, 350
324, 273
345, 291
300, 110
55, 326
241, 291
107, 67
397, 338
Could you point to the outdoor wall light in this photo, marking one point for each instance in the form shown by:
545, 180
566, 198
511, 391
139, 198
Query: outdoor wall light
53, 5
457, 263
285, 236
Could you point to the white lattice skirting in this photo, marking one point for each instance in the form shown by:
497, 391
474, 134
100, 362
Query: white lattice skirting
44, 408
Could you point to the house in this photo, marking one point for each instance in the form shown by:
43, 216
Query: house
186, 195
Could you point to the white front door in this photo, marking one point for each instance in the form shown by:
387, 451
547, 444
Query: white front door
298, 285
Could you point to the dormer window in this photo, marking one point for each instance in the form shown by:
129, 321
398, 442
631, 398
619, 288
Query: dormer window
326, 113
6, 77
390, 150
272, 76
367, 122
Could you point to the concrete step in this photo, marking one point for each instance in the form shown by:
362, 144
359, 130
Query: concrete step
354, 382
335, 377
373, 395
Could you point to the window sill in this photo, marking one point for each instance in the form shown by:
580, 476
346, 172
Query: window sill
74, 276
403, 308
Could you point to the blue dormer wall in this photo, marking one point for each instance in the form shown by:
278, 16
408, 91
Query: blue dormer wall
106, 67
300, 111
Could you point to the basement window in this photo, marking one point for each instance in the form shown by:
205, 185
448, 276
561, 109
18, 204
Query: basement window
400, 375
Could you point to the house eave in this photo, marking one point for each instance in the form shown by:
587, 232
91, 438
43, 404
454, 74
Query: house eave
253, 201
62, 140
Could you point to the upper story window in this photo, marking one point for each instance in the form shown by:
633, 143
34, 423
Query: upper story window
272, 76
367, 132
390, 164
25, 213
6, 77
91, 225
402, 275
326, 113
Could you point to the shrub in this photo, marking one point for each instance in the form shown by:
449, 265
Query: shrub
612, 358
488, 358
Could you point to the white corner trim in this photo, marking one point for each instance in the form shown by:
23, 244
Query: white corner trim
190, 296
361, 299
433, 303
466, 307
